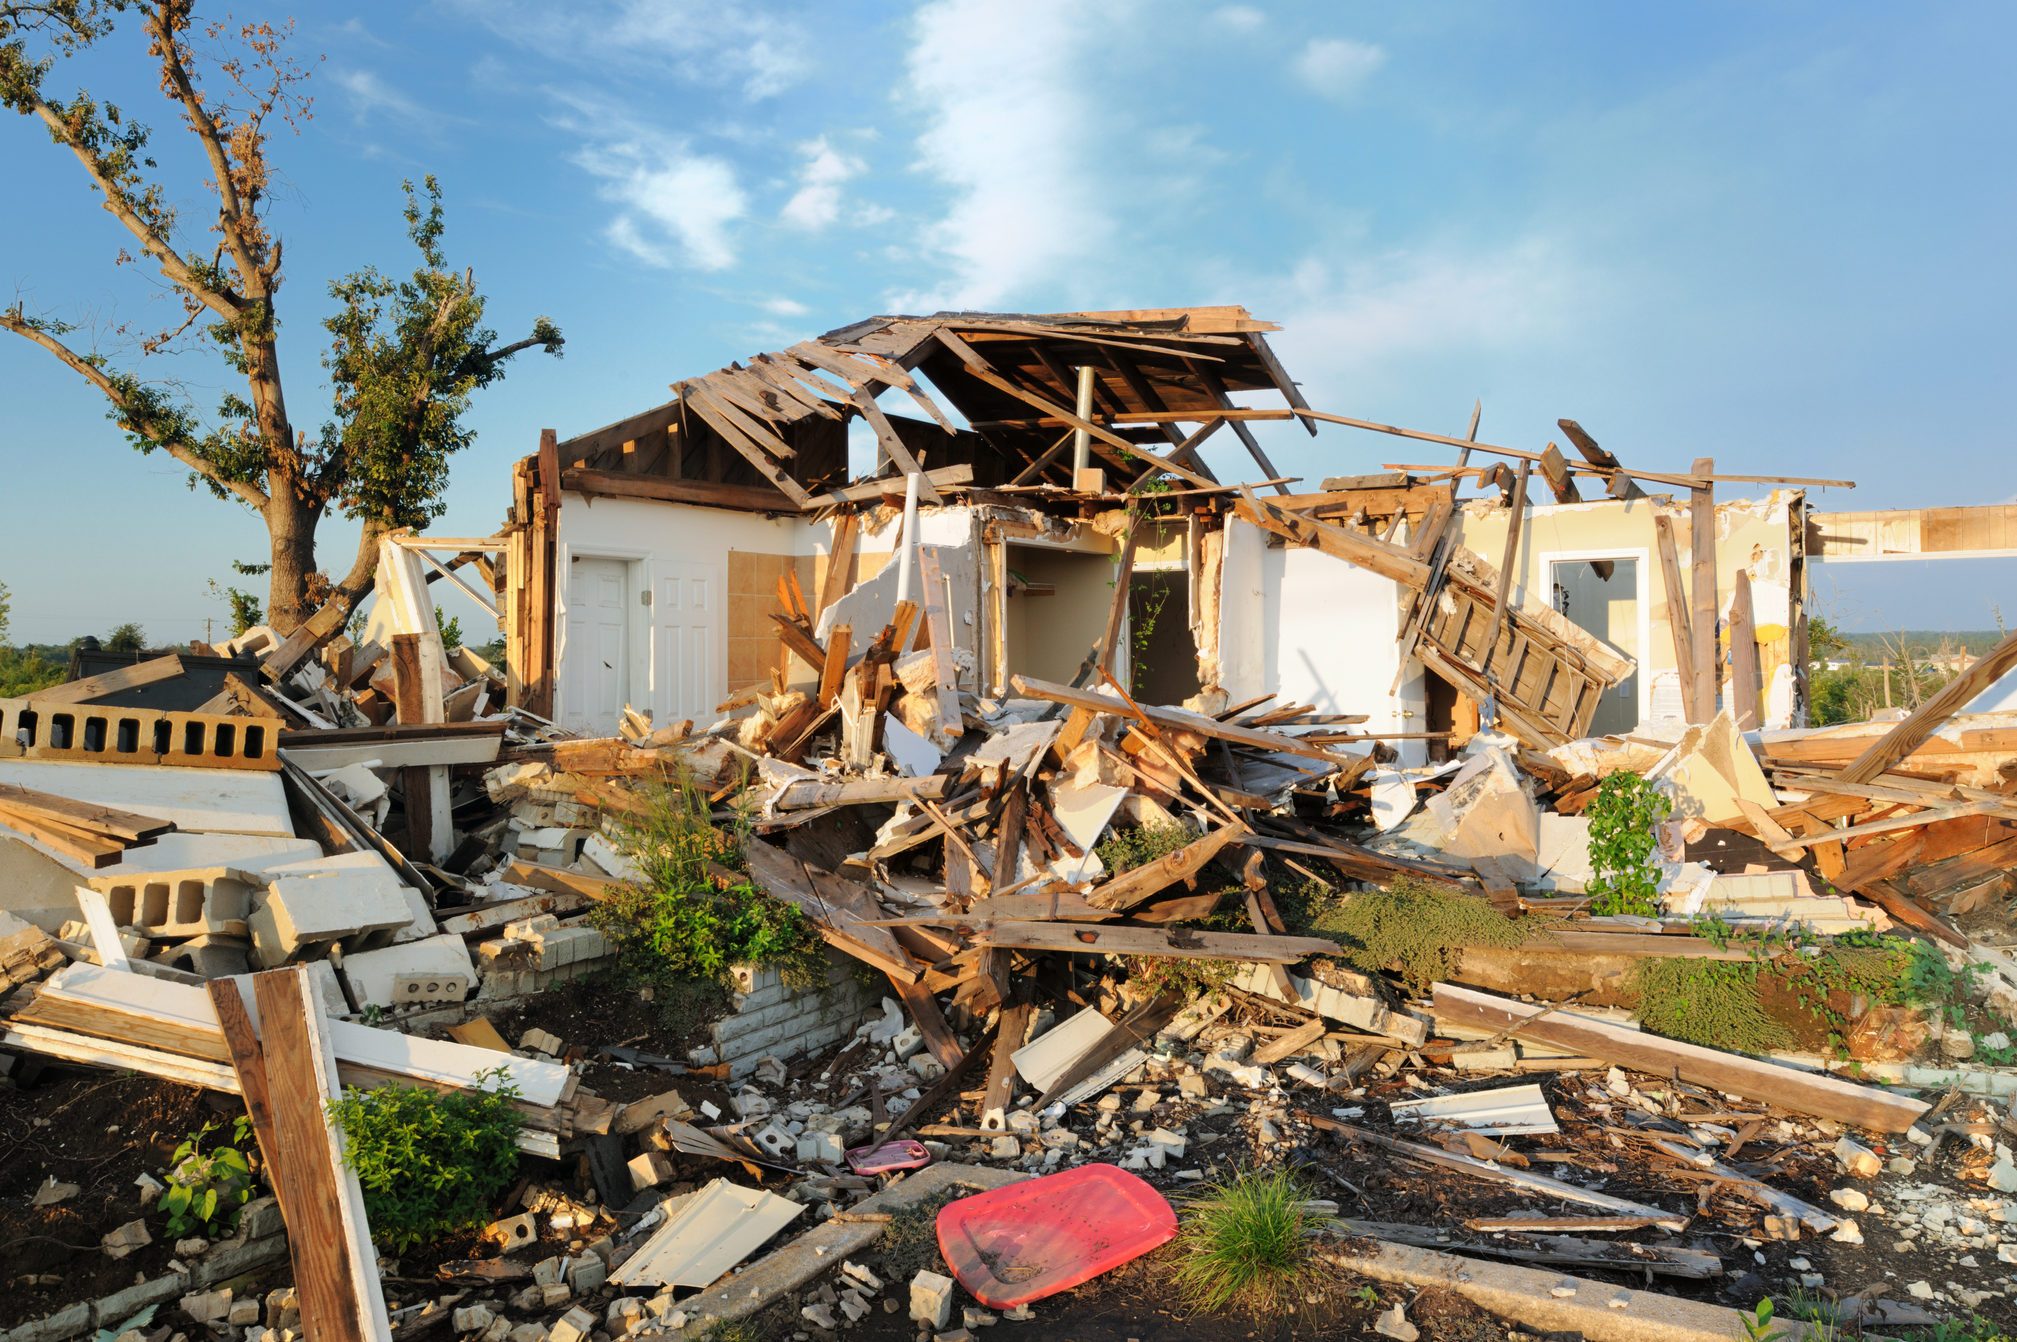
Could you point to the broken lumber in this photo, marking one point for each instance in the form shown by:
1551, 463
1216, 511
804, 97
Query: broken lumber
1805, 1092
1173, 943
1179, 719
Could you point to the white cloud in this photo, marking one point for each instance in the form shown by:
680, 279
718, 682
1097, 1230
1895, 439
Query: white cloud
371, 96
1012, 146
709, 44
784, 307
1335, 66
1241, 18
674, 205
816, 204
1343, 323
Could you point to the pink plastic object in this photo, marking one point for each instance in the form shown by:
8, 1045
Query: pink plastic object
1030, 1240
888, 1158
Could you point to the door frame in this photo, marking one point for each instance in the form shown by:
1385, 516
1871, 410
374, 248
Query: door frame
1642, 557
636, 629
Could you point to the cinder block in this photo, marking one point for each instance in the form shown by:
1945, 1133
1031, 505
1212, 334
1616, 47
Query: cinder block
300, 911
372, 975
184, 903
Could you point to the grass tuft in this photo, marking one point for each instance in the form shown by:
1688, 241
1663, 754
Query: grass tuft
1243, 1244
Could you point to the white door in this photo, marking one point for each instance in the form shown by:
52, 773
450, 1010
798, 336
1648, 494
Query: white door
595, 662
689, 658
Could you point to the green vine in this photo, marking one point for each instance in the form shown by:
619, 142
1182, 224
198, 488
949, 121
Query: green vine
1624, 879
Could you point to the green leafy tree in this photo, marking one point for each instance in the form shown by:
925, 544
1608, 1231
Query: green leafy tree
6, 608
404, 357
128, 637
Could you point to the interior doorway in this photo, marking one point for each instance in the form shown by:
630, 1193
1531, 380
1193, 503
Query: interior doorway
1162, 656
1613, 607
1057, 609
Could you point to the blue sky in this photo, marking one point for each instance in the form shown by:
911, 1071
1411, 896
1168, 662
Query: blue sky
1778, 234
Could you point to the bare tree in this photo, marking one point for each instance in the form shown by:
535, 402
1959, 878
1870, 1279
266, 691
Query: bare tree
404, 357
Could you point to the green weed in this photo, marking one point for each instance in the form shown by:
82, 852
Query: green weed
430, 1162
207, 1189
1243, 1244
1415, 928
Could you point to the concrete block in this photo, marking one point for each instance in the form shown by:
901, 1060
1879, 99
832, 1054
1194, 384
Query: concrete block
585, 1273
931, 1295
303, 910
184, 903
373, 975
820, 1148
573, 1326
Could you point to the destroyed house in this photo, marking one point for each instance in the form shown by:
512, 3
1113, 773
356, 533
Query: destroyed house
673, 560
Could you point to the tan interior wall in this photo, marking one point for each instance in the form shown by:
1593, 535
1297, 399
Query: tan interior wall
752, 600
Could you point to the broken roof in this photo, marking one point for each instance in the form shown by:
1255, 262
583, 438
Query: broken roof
1013, 377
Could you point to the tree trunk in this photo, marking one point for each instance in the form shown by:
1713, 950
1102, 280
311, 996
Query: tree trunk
290, 531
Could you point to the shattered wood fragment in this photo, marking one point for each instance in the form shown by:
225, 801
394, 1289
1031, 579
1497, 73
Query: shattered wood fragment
1804, 1092
1136, 885
1178, 719
1180, 943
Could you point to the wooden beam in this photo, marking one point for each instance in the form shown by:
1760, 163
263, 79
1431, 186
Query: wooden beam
938, 623
1180, 719
1744, 687
1678, 621
836, 664
1597, 456
839, 561
88, 688
1138, 884
1158, 943
981, 369
924, 1013
1507, 562
1702, 593
1787, 1087
1389, 561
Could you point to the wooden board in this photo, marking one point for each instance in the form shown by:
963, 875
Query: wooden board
1180, 719
1804, 1092
1179, 944
335, 1269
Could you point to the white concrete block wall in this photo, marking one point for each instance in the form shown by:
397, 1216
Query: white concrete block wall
768, 1018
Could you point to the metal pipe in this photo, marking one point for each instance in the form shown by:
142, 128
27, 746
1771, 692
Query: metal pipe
1082, 439
908, 540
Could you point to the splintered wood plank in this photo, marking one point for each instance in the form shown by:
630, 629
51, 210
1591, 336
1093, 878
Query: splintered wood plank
924, 1013
1787, 1087
1179, 719
801, 643
335, 1270
111, 682
1174, 944
1678, 622
938, 621
1014, 1023
250, 1066
1744, 685
1140, 883
839, 560
1389, 561
836, 663
1702, 592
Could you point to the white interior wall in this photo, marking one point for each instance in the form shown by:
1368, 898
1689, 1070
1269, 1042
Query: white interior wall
1317, 631
663, 543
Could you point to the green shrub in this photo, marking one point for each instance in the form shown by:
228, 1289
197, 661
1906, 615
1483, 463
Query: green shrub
207, 1189
431, 1162
1126, 847
1415, 928
1244, 1244
1624, 878
676, 923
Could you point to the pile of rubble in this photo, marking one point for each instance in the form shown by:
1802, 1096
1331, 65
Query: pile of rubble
1068, 930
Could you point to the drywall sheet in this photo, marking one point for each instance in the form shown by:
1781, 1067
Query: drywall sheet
1315, 630
230, 801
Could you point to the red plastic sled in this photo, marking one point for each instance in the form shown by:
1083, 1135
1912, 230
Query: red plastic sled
1030, 1240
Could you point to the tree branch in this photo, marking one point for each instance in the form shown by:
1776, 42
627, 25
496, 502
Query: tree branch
230, 209
129, 418
151, 240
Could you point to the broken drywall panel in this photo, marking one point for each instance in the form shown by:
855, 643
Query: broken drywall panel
1710, 770
1083, 811
709, 1233
34, 885
913, 755
1393, 797
1563, 853
1509, 1111
873, 601
1486, 812
1012, 748
209, 801
1314, 630
1051, 1054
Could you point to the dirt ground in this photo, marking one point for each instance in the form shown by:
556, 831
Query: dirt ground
99, 1131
